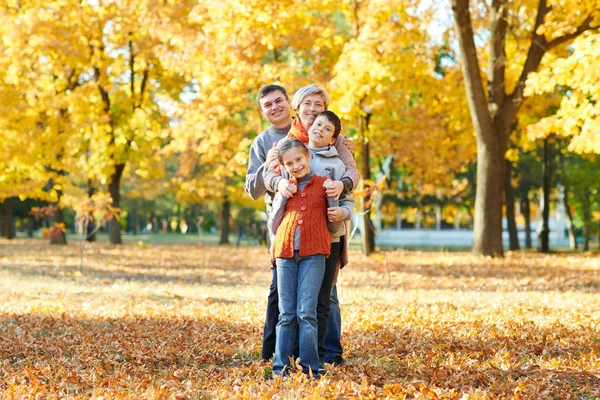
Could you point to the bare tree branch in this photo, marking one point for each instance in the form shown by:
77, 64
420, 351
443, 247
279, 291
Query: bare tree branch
497, 58
585, 26
471, 71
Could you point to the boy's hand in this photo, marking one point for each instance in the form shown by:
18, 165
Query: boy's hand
272, 154
349, 144
335, 214
333, 189
287, 188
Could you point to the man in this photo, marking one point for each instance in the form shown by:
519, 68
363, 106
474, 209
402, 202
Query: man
275, 106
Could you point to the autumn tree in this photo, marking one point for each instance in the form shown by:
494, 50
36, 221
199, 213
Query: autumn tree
494, 106
386, 88
38, 129
576, 121
240, 48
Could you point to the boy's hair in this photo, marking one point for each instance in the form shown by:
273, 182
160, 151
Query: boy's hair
334, 119
288, 144
265, 90
309, 91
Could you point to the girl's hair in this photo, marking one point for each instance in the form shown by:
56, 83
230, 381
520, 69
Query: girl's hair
288, 144
309, 91
334, 119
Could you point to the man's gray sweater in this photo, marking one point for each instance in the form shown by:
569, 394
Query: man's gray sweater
255, 184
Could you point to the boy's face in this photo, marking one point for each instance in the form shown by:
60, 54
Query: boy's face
276, 109
296, 162
320, 133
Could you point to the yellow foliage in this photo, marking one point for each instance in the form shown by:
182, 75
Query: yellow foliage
578, 116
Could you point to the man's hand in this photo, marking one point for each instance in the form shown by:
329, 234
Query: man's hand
287, 188
272, 154
334, 214
349, 144
333, 189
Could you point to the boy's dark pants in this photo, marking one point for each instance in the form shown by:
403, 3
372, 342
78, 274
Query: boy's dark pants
323, 306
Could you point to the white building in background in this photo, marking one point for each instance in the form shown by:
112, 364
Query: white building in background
459, 237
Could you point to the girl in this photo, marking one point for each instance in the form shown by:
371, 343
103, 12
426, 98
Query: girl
302, 242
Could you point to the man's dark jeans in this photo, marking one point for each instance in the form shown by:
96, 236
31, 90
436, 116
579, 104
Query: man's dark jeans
324, 316
324, 301
268, 348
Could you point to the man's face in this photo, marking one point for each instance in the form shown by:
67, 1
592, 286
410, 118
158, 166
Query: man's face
276, 109
320, 133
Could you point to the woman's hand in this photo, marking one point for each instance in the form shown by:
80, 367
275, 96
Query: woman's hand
335, 214
349, 144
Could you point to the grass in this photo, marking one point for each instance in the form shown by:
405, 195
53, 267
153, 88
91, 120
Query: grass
185, 321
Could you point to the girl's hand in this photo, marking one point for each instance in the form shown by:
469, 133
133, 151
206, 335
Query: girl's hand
335, 214
287, 188
333, 189
349, 144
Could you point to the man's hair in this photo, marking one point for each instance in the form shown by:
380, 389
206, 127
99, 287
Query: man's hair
265, 90
309, 91
288, 144
334, 119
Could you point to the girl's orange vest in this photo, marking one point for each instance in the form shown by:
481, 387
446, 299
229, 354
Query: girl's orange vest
307, 209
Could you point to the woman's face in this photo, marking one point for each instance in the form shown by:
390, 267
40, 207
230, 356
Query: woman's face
309, 108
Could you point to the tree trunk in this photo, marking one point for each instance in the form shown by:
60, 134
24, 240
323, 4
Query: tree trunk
491, 139
544, 233
487, 229
57, 220
509, 197
225, 217
587, 221
367, 233
8, 230
570, 228
135, 221
90, 225
526, 210
58, 236
114, 188
493, 114
30, 226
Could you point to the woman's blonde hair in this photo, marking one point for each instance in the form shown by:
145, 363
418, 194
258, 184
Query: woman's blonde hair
309, 91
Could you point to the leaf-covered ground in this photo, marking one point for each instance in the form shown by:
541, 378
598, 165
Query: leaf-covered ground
167, 321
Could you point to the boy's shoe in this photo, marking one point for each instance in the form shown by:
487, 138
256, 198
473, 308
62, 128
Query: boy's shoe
338, 361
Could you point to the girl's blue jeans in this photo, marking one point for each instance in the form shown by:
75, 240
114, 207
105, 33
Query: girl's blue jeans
299, 280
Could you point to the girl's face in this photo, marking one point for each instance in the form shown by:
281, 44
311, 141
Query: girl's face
309, 108
296, 162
